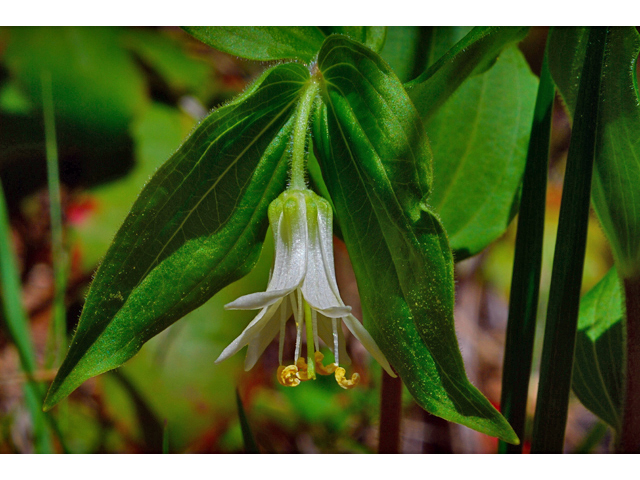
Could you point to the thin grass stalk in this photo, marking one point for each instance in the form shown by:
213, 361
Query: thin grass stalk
568, 262
59, 260
250, 445
18, 328
527, 263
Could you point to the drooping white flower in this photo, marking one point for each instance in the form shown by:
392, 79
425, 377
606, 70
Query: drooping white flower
302, 285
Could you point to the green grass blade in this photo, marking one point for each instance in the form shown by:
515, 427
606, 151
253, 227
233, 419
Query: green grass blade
250, 445
58, 339
17, 326
566, 278
525, 283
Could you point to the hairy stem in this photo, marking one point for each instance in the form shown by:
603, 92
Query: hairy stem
303, 112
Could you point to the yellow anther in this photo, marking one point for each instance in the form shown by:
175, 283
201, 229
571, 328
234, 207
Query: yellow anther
320, 368
303, 370
287, 376
343, 382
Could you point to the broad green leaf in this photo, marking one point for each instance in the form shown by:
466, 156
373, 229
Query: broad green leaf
197, 226
376, 161
372, 37
615, 192
262, 43
474, 54
479, 139
598, 364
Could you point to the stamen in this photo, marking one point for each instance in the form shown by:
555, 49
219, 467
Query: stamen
283, 324
314, 318
287, 376
298, 325
310, 340
320, 368
343, 382
334, 323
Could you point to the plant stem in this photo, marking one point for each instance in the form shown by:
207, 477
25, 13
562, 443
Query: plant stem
390, 414
629, 439
303, 112
568, 263
525, 283
57, 246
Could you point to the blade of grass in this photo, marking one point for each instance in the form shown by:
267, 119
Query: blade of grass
59, 327
525, 283
250, 445
568, 262
17, 326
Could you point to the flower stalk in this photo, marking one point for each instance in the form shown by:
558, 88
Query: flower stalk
300, 135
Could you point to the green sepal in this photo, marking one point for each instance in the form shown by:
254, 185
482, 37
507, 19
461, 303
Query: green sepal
376, 161
196, 227
262, 43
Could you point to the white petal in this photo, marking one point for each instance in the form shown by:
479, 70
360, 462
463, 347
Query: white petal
369, 343
319, 287
253, 330
253, 301
290, 234
258, 345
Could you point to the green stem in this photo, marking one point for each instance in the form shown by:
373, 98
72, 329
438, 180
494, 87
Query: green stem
57, 246
303, 112
568, 263
525, 283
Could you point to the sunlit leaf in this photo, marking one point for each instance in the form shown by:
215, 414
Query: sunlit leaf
598, 364
372, 37
474, 54
376, 161
197, 226
479, 139
262, 43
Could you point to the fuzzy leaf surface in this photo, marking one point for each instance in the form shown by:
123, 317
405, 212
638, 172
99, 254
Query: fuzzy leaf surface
196, 227
472, 55
376, 161
479, 162
615, 193
598, 364
262, 43
372, 37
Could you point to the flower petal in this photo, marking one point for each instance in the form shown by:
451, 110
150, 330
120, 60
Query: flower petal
256, 300
259, 343
369, 343
290, 235
319, 287
253, 330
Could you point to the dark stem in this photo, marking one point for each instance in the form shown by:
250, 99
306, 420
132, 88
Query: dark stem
629, 440
390, 414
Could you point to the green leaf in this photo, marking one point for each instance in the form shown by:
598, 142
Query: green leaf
262, 43
479, 140
377, 165
615, 192
598, 364
197, 226
474, 54
372, 37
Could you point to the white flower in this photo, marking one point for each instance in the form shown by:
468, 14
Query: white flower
302, 284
